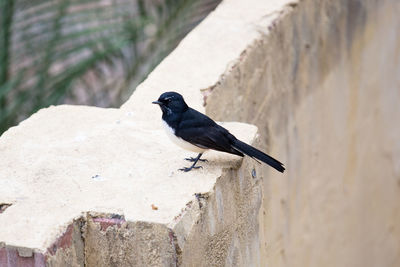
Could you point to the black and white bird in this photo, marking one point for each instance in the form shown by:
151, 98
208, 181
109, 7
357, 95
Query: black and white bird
196, 132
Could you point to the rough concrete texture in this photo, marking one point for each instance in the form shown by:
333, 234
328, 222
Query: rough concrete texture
323, 87
226, 232
65, 161
130, 244
68, 248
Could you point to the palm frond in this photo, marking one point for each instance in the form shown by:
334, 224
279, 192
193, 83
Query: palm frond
84, 51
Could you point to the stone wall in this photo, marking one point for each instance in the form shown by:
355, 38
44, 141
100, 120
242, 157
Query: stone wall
323, 87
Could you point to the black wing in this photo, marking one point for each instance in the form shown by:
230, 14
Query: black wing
199, 130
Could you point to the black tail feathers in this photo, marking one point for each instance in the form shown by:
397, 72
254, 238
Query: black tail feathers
257, 154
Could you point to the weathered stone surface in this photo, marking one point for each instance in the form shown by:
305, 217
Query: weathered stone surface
68, 248
130, 244
323, 87
65, 161
226, 232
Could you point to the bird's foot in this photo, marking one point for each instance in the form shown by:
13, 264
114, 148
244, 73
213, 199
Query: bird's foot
194, 159
185, 169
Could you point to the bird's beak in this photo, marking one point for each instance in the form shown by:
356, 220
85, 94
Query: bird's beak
157, 102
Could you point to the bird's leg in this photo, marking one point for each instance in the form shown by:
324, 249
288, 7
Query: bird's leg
191, 159
185, 169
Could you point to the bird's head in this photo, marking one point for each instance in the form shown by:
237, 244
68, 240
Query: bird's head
171, 102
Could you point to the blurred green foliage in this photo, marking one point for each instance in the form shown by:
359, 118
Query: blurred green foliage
91, 52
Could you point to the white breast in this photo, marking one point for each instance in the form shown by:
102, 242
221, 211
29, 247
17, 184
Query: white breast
179, 141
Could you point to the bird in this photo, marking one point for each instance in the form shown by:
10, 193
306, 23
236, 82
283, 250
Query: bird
196, 132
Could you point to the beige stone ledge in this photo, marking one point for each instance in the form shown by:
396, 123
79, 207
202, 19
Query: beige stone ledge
65, 161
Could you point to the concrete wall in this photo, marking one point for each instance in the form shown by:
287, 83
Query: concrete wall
321, 80
324, 90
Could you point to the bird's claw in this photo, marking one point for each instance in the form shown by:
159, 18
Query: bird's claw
194, 159
185, 169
